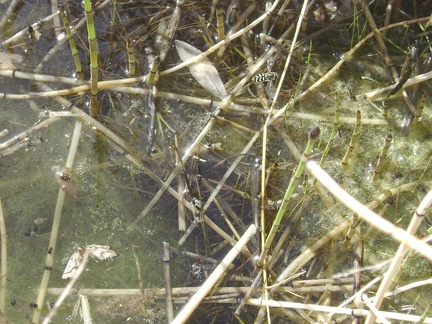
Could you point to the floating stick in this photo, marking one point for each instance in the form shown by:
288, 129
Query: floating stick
382, 157
167, 279
354, 138
194, 302
381, 93
23, 32
399, 317
368, 215
4, 274
85, 307
313, 137
93, 58
404, 265
65, 292
152, 111
73, 48
167, 31
222, 43
49, 262
252, 289
379, 39
5, 132
238, 19
9, 12
403, 249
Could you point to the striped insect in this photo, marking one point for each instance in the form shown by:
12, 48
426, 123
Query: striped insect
268, 78
265, 77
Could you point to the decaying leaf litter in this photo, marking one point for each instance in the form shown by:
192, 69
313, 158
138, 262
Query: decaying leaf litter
150, 162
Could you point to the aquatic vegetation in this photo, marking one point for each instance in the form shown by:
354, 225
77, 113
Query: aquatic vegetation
184, 123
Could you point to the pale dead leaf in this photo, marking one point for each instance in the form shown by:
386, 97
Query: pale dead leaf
203, 71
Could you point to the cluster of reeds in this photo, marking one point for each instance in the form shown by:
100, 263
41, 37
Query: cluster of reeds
225, 108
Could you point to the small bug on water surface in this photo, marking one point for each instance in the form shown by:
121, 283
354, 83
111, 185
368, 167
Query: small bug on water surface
264, 77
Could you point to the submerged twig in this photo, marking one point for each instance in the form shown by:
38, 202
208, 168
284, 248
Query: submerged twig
368, 215
194, 302
65, 292
49, 262
167, 278
416, 220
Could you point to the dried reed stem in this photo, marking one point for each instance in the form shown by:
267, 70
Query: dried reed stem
224, 42
196, 299
312, 138
66, 291
85, 307
416, 220
167, 279
9, 12
336, 310
4, 265
366, 214
49, 262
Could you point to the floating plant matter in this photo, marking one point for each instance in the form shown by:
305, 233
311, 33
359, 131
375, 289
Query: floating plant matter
98, 252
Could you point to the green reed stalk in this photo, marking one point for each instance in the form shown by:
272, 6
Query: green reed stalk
407, 261
154, 69
382, 156
131, 57
220, 21
93, 57
419, 109
71, 40
404, 248
313, 137
332, 135
354, 138
114, 13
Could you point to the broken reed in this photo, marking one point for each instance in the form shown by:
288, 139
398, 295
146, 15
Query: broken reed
312, 138
354, 138
93, 58
78, 67
332, 135
49, 261
131, 57
408, 258
382, 156
419, 109
220, 21
153, 74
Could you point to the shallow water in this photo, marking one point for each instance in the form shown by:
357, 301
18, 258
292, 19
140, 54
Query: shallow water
113, 191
